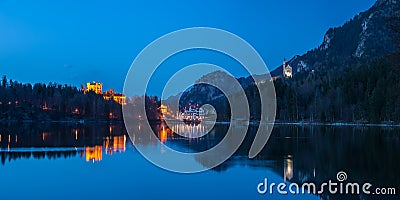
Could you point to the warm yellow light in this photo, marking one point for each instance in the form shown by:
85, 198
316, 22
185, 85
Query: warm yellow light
76, 134
95, 87
119, 143
288, 168
163, 135
44, 107
93, 153
114, 144
44, 134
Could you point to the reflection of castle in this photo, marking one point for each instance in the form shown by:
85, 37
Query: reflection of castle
190, 131
93, 153
115, 144
111, 145
287, 69
90, 143
97, 88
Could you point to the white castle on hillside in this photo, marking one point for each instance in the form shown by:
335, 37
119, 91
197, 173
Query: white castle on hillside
287, 69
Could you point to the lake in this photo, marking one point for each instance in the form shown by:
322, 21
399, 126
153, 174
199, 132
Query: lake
99, 161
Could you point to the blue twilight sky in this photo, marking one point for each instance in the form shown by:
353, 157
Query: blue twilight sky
76, 41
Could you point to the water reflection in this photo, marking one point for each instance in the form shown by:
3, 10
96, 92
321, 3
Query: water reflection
89, 142
113, 144
191, 139
188, 131
288, 168
317, 153
311, 153
296, 153
94, 153
163, 135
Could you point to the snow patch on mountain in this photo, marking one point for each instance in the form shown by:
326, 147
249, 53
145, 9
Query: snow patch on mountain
363, 36
301, 66
327, 41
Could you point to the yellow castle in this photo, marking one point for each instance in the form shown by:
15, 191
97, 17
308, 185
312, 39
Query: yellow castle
117, 97
97, 88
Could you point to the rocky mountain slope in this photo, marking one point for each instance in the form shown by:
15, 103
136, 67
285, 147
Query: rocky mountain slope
367, 36
351, 77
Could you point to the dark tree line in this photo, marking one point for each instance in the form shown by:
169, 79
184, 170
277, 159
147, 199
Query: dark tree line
134, 110
53, 102
369, 93
347, 90
361, 92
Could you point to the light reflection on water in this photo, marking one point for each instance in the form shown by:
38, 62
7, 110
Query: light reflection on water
57, 141
294, 154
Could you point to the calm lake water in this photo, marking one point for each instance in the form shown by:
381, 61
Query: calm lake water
98, 161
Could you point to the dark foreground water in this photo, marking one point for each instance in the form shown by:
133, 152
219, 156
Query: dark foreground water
98, 161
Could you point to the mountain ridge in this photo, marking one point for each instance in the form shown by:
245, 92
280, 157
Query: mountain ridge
364, 37
352, 76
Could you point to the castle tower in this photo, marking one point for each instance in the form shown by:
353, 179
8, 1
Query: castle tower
287, 69
96, 87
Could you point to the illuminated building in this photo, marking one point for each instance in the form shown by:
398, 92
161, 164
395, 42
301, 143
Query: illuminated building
117, 97
44, 107
120, 98
164, 109
75, 111
166, 114
192, 114
287, 70
93, 153
95, 87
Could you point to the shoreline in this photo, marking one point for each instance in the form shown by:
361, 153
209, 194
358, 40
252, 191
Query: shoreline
302, 123
338, 124
81, 121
